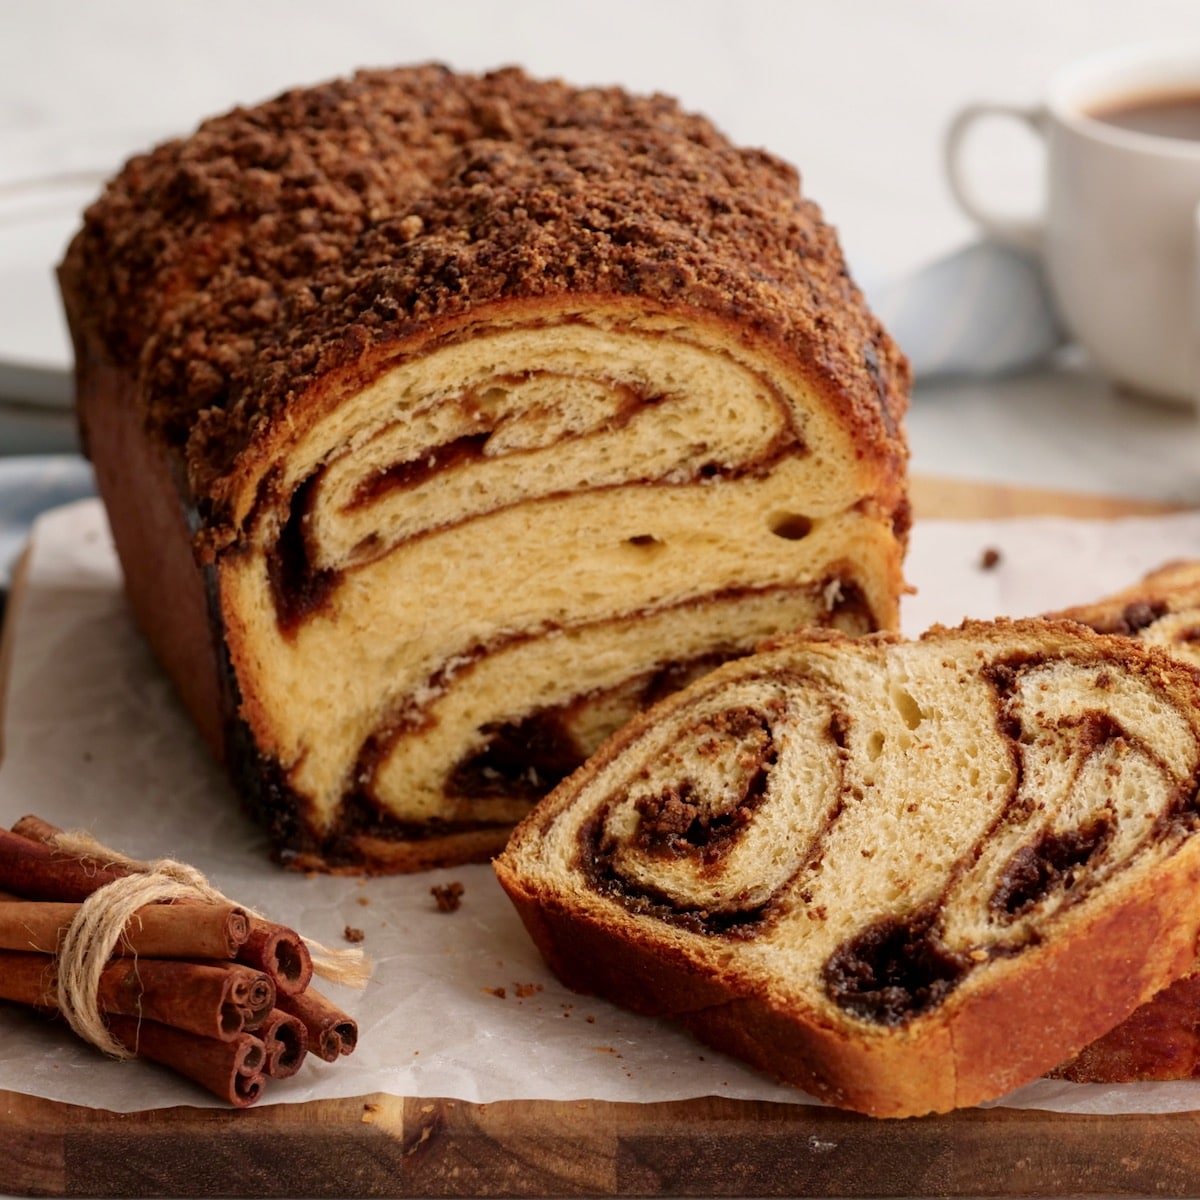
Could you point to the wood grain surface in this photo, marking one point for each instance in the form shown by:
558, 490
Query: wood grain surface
387, 1146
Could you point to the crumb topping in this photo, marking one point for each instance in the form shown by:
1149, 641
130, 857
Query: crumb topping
234, 269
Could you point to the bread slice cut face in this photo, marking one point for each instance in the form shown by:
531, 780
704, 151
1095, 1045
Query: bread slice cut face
906, 876
463, 578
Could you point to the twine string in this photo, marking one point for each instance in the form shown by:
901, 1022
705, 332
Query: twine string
93, 935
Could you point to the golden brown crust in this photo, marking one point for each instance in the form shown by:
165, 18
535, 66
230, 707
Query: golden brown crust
284, 246
1061, 997
150, 528
1161, 1040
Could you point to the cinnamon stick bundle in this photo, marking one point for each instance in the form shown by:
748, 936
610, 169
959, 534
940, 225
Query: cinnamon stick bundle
210, 1001
215, 931
274, 949
189, 977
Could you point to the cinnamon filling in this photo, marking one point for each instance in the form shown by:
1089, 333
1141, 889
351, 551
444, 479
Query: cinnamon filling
527, 758
1050, 863
416, 471
524, 759
893, 970
298, 587
680, 822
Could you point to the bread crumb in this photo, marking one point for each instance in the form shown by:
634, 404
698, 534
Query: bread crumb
499, 992
525, 990
591, 1020
448, 896
363, 900
353, 934
990, 559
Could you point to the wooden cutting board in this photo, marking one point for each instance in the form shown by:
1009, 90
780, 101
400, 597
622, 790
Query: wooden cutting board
388, 1146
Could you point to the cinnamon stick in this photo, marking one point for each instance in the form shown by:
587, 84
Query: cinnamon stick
232, 1070
252, 992
196, 997
273, 949
201, 930
286, 1042
36, 829
330, 1031
36, 871
280, 953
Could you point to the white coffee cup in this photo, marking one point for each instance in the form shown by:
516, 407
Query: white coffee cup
1121, 223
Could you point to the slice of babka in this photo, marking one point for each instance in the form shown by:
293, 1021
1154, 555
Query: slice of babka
1161, 1040
904, 876
1163, 609
444, 422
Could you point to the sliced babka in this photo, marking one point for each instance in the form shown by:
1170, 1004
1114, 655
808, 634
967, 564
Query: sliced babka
905, 876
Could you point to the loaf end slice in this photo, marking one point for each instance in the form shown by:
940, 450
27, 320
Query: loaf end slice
904, 876
1161, 1040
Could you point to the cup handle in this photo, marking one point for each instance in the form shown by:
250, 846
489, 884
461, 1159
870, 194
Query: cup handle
1025, 233
1195, 298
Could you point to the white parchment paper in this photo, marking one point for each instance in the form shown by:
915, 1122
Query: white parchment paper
94, 738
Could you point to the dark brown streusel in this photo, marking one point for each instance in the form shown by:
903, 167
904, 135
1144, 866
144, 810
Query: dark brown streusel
234, 269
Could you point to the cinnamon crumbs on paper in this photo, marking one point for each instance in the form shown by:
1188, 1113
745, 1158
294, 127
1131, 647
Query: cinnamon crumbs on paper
989, 559
353, 934
448, 896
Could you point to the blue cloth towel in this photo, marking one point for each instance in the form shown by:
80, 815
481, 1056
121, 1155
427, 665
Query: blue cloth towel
984, 310
28, 486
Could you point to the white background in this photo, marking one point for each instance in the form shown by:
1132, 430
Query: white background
856, 92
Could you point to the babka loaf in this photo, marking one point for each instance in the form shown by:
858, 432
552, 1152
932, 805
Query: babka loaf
1161, 1040
904, 876
443, 422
